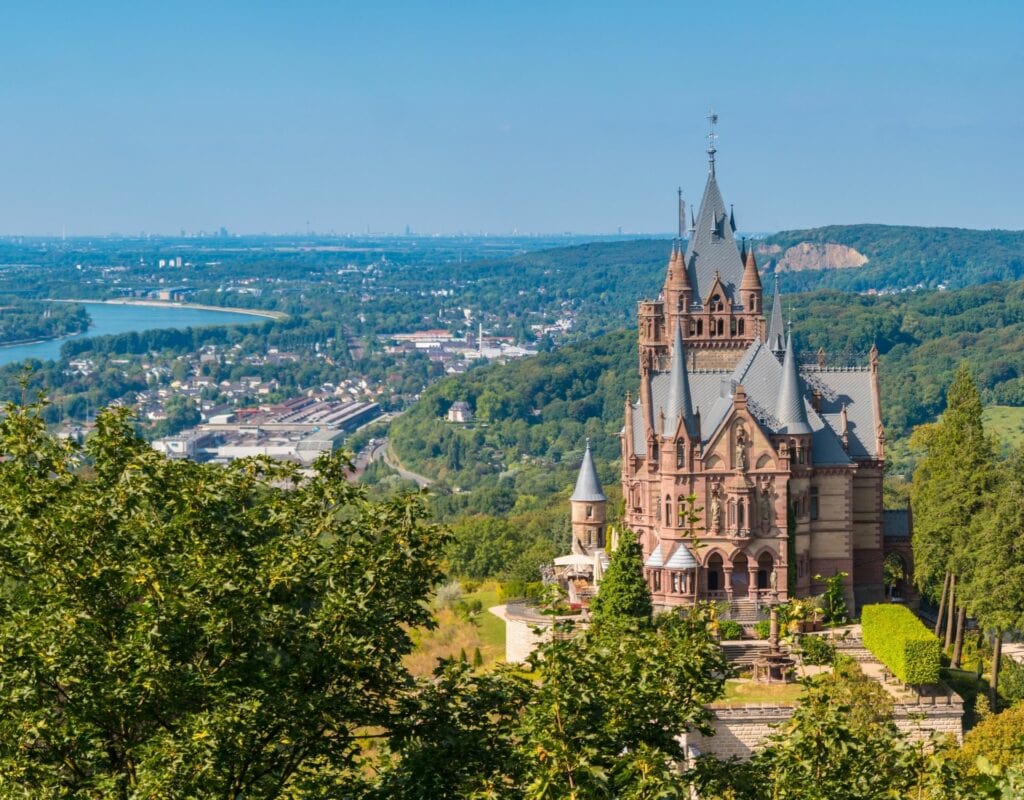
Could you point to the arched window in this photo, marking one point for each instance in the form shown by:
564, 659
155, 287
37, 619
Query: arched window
740, 515
590, 512
720, 327
681, 509
732, 327
657, 509
680, 455
700, 327
668, 509
741, 327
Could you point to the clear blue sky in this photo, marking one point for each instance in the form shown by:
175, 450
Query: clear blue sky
484, 116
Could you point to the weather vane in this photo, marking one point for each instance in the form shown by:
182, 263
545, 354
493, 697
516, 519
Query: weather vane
712, 136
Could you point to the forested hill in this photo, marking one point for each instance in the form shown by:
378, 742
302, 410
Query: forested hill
535, 414
898, 257
602, 281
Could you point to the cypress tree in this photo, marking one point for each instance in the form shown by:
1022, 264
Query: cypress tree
623, 592
951, 484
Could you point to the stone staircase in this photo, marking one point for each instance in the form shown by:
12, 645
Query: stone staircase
741, 655
744, 612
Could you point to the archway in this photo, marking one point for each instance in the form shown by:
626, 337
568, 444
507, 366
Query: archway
765, 565
716, 573
895, 575
740, 579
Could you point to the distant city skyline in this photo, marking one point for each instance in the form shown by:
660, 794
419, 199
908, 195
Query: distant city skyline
528, 117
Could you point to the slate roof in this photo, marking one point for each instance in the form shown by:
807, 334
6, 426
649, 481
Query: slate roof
588, 485
789, 408
679, 405
761, 375
712, 247
896, 524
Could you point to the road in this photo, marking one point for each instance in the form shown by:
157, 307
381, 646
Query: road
381, 451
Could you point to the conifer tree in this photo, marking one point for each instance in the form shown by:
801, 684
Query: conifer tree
950, 486
623, 593
994, 563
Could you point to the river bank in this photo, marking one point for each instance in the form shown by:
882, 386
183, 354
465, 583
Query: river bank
112, 318
253, 312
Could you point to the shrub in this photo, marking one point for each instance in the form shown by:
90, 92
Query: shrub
763, 628
729, 629
898, 639
998, 737
817, 650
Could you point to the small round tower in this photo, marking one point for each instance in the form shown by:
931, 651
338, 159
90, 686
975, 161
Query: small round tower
589, 507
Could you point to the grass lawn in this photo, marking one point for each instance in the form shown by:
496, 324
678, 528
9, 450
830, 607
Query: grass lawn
1006, 422
458, 632
740, 692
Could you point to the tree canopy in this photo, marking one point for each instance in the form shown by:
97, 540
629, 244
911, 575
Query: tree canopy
169, 629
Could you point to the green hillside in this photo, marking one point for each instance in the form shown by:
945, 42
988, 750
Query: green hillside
901, 256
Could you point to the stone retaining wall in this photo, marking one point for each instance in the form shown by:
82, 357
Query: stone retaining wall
740, 731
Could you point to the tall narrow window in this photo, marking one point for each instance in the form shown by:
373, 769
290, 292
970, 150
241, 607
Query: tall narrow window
590, 512
814, 502
680, 455
668, 510
657, 509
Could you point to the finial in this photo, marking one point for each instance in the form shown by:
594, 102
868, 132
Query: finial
588, 442
712, 136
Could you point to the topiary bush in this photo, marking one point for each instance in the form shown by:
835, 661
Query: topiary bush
729, 629
817, 650
900, 641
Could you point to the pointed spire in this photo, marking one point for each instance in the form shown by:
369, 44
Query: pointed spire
790, 410
681, 214
751, 279
743, 248
588, 485
775, 340
732, 218
680, 404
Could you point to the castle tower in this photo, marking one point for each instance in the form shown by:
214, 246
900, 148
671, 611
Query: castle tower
588, 509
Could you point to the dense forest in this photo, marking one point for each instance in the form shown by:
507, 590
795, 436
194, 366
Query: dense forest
900, 257
27, 321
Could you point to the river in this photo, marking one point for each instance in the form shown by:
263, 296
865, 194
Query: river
108, 318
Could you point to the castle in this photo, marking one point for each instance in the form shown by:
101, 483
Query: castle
785, 460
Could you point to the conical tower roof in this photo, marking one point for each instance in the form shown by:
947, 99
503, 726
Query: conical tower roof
751, 278
588, 485
680, 402
776, 341
712, 246
790, 410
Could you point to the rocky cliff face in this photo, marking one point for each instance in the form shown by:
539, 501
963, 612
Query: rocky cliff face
809, 255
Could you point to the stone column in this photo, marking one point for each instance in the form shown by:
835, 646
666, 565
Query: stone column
727, 569
752, 579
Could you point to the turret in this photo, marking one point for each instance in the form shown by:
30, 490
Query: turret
790, 410
588, 504
679, 406
750, 286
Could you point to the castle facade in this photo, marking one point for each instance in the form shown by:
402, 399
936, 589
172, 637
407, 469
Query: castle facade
747, 475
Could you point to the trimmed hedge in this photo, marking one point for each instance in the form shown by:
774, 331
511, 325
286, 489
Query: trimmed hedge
900, 641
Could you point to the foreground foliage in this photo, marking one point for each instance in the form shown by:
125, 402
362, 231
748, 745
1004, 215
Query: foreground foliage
175, 630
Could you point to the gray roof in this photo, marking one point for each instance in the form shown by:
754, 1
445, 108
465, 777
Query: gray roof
588, 486
712, 247
850, 386
761, 375
896, 524
789, 410
776, 331
679, 405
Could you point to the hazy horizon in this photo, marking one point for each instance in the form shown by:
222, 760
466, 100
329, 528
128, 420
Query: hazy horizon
341, 117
